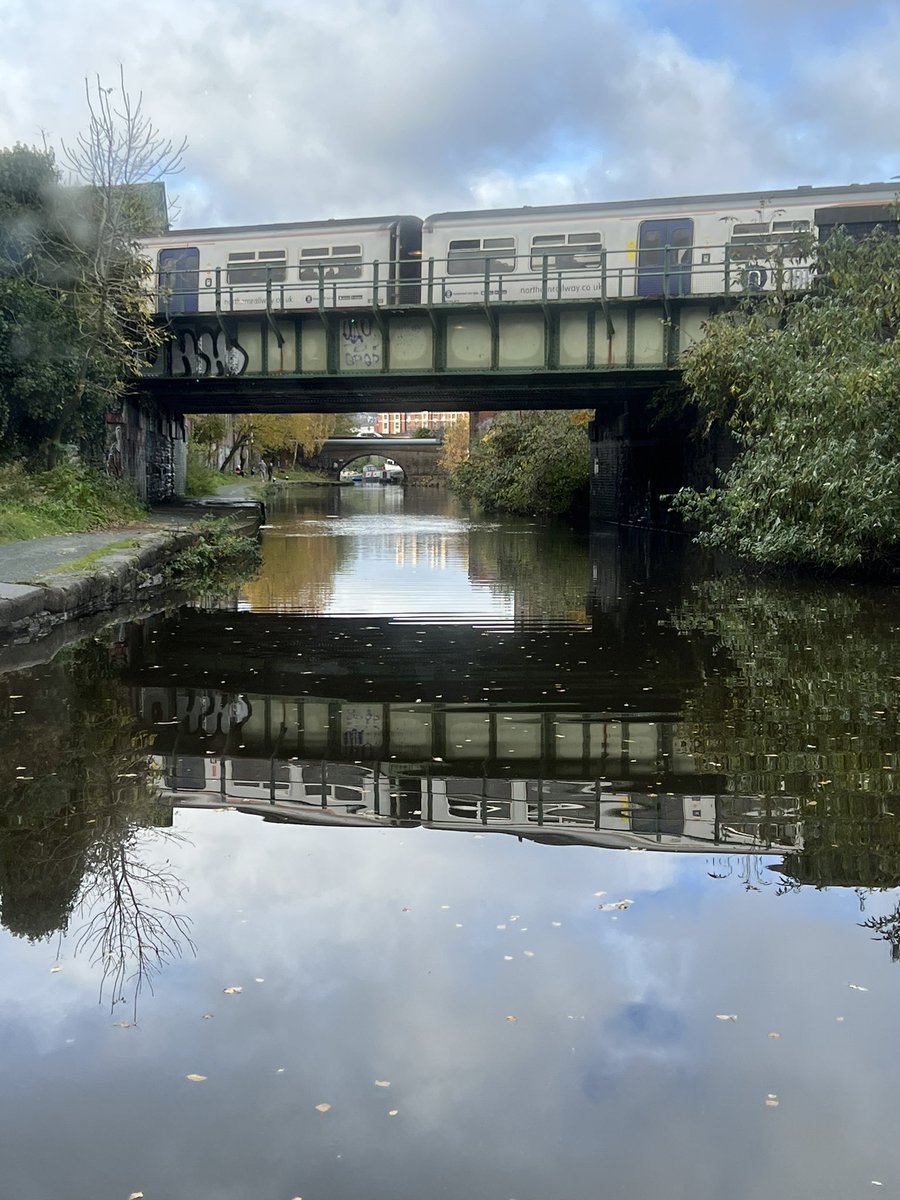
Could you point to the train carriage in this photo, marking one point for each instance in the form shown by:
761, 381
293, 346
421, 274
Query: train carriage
689, 245
700, 245
306, 265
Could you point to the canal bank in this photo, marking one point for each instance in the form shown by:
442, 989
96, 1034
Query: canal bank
52, 581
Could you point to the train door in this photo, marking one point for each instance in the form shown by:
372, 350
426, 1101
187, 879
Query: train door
664, 257
179, 279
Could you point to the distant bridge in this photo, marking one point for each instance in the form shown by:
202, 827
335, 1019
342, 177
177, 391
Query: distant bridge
417, 456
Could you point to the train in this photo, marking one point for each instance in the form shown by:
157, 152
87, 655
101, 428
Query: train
675, 247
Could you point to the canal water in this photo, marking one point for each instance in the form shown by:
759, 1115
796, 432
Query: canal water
456, 857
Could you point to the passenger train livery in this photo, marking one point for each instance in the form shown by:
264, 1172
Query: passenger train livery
694, 245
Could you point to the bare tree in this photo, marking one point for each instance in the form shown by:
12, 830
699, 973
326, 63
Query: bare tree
133, 929
113, 164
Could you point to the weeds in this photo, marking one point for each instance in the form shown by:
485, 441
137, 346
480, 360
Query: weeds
67, 499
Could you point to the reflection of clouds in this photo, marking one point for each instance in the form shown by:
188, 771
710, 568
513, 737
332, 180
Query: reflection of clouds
643, 1087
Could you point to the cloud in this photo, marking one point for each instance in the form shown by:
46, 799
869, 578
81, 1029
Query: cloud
318, 110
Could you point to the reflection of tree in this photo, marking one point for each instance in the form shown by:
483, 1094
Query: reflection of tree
132, 928
546, 570
297, 573
79, 790
794, 708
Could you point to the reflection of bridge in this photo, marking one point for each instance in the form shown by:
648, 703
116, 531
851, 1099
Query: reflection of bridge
605, 669
477, 739
417, 456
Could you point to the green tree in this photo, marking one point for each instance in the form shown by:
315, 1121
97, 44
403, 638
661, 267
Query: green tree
810, 389
533, 462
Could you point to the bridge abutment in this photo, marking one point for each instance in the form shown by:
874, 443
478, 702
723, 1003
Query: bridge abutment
639, 455
146, 446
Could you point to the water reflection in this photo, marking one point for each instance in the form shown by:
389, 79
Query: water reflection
80, 789
584, 698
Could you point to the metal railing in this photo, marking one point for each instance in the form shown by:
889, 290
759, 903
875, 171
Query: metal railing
664, 273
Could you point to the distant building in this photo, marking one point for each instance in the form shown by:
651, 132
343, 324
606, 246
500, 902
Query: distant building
395, 424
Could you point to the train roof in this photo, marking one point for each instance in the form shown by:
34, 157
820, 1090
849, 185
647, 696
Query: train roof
806, 192
287, 226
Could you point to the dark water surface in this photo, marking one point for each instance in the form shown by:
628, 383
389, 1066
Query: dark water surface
560, 868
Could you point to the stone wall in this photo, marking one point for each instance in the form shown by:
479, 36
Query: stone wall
146, 445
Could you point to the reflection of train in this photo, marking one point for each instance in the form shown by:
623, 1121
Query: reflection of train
557, 811
675, 247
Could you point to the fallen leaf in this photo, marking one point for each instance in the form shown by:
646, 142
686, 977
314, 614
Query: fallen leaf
232, 991
382, 1083
196, 1078
323, 1107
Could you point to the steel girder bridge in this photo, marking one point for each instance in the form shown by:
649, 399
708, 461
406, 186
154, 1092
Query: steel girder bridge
498, 353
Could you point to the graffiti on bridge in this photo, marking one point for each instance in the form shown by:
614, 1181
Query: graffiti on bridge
200, 352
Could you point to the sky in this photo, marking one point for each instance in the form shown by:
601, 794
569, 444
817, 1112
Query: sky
308, 109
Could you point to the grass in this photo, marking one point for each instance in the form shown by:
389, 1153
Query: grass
68, 499
87, 560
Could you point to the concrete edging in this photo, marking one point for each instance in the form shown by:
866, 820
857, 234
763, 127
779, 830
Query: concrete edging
30, 611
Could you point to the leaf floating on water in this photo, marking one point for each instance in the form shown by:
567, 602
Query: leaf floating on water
857, 987
726, 1016
323, 1107
382, 1083
772, 1100
196, 1078
512, 1020
232, 991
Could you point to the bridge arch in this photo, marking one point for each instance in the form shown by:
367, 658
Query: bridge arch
418, 458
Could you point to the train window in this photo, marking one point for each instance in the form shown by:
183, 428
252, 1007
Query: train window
759, 239
249, 266
339, 262
577, 251
470, 255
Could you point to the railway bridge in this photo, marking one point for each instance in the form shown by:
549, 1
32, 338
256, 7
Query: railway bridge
609, 353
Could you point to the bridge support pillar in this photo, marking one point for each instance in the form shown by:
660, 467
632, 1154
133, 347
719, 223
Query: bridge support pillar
146, 446
609, 463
